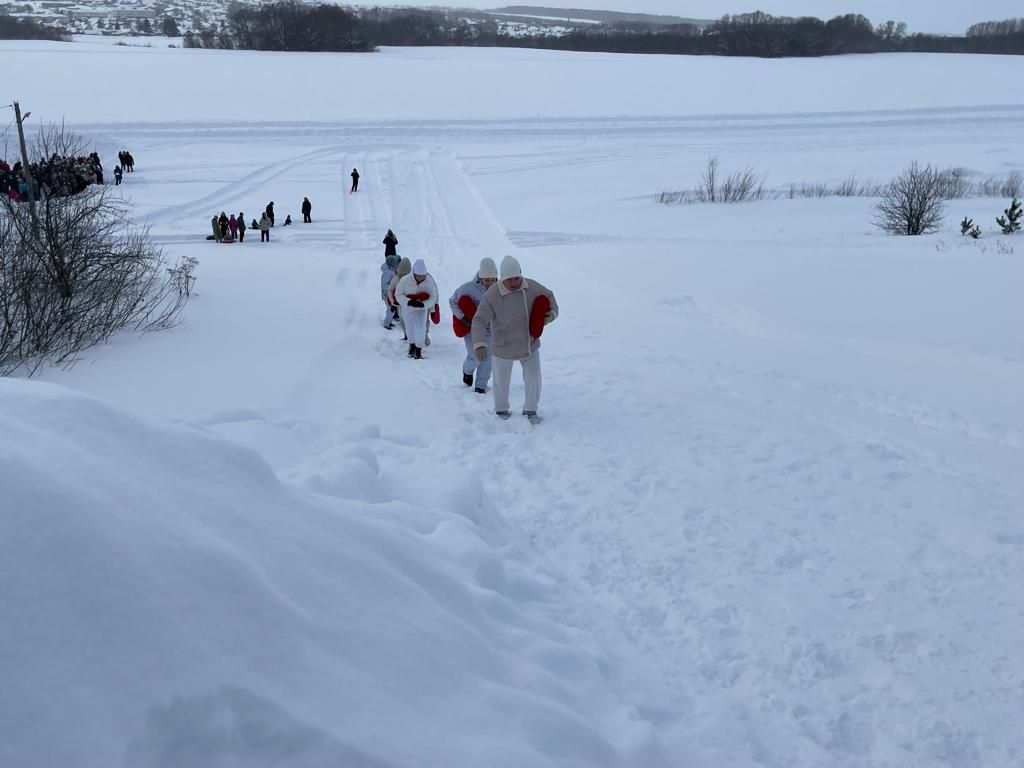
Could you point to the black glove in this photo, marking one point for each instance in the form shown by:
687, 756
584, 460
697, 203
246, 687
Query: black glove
415, 303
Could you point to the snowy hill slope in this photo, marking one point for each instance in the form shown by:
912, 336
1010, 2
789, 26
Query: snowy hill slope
783, 455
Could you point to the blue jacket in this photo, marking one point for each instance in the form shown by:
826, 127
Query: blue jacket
387, 272
474, 289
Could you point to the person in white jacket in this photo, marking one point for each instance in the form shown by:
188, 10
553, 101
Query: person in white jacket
417, 294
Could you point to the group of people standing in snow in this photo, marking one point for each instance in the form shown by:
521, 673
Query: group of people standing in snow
226, 229
499, 315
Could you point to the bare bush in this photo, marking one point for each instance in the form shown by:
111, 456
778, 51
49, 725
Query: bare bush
954, 184
76, 273
742, 186
707, 190
1008, 186
737, 187
673, 198
912, 203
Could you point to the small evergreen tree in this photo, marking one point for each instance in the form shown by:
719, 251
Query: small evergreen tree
170, 27
968, 227
1010, 221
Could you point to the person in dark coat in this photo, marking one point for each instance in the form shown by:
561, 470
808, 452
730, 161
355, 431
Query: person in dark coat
241, 227
117, 174
270, 212
390, 244
224, 222
355, 181
307, 208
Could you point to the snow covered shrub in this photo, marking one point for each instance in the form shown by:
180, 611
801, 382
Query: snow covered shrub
75, 271
912, 203
1010, 221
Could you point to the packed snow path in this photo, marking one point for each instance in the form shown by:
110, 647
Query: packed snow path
792, 504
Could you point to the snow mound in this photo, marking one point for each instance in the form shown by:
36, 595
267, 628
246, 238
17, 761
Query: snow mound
168, 601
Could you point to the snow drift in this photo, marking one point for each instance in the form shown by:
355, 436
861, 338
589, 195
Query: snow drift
167, 601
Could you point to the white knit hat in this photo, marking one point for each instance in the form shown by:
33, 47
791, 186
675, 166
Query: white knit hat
487, 268
418, 267
510, 268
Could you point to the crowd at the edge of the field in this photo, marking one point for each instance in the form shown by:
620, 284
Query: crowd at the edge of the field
59, 176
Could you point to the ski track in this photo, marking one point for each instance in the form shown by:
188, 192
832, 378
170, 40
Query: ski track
649, 539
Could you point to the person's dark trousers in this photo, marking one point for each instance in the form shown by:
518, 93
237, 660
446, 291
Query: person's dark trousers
264, 236
306, 219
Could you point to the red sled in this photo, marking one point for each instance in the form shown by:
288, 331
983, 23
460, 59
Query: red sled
435, 314
469, 310
541, 306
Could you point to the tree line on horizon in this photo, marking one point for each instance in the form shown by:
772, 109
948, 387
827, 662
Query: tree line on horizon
287, 25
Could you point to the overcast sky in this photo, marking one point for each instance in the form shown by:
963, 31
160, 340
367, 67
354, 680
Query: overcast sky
921, 15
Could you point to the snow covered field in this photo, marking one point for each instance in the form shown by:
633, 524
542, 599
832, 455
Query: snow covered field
773, 516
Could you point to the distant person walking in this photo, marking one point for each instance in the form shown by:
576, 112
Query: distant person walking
355, 181
390, 244
117, 175
269, 213
307, 208
241, 227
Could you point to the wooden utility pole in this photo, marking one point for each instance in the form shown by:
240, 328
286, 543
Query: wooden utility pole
29, 181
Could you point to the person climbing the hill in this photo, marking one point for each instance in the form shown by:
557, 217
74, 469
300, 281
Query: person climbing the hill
265, 225
417, 292
388, 271
464, 303
307, 208
404, 268
270, 212
516, 311
241, 227
118, 175
355, 181
390, 244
